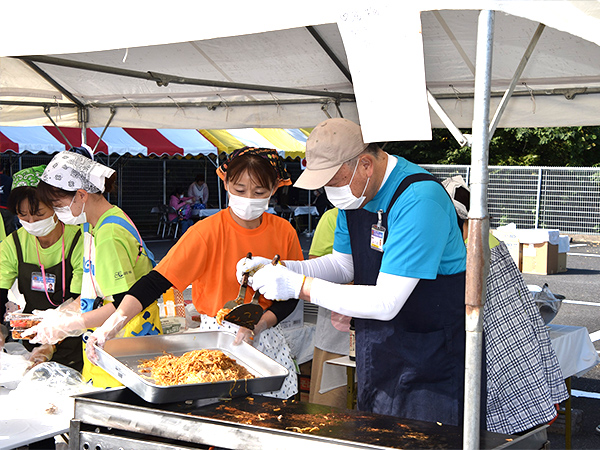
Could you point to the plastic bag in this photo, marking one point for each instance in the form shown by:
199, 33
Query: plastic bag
47, 389
546, 301
14, 362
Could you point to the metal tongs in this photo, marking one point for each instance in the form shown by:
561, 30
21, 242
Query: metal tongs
246, 315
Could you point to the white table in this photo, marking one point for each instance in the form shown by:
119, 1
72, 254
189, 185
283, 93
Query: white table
305, 210
18, 429
202, 213
576, 355
298, 210
574, 349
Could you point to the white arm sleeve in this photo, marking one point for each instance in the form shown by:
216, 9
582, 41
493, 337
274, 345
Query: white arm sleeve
382, 301
336, 267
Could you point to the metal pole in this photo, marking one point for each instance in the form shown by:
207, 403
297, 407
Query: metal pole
538, 198
478, 245
447, 121
516, 77
164, 181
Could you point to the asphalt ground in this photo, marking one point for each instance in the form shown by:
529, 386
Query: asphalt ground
580, 285
581, 307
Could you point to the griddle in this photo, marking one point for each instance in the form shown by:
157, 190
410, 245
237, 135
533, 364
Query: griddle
261, 422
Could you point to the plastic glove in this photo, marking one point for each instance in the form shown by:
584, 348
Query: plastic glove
249, 265
41, 354
3, 335
56, 325
277, 282
245, 335
109, 329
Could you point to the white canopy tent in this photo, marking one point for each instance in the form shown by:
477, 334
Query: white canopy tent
384, 64
268, 68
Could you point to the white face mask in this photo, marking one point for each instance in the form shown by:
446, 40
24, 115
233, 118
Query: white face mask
342, 196
248, 208
65, 215
41, 227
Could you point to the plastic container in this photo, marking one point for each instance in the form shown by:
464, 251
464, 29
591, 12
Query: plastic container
21, 322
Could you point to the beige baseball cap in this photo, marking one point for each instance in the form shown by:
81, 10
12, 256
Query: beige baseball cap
331, 144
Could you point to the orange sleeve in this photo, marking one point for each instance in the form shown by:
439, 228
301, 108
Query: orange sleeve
186, 261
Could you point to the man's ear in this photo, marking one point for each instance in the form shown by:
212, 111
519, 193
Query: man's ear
368, 162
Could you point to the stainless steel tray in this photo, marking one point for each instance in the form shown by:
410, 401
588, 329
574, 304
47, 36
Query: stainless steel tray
120, 358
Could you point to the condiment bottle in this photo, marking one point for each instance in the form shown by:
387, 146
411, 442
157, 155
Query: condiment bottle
169, 302
352, 353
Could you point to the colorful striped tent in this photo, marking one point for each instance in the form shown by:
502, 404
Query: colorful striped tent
152, 142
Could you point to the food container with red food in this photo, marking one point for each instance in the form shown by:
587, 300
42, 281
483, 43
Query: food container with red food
21, 322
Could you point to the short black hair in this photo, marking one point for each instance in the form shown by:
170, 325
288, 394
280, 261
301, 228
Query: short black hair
16, 197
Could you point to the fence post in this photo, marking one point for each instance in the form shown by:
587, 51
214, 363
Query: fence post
538, 198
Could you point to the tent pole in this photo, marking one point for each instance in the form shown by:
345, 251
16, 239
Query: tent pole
437, 108
112, 114
515, 78
46, 111
478, 245
164, 79
164, 199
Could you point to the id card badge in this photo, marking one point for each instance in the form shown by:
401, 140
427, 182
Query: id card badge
37, 282
378, 233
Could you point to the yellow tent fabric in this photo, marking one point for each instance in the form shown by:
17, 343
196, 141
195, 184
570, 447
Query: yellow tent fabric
223, 140
282, 140
277, 138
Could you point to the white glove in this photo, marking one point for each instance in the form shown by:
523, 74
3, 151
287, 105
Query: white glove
108, 330
277, 282
56, 325
249, 265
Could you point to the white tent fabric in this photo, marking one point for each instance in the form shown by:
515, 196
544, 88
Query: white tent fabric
390, 65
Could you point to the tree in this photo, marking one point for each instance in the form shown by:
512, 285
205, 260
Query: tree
561, 146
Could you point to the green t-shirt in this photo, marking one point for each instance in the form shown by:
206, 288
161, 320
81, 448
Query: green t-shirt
322, 243
9, 264
2, 229
118, 263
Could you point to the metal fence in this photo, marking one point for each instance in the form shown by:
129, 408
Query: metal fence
144, 182
561, 198
564, 198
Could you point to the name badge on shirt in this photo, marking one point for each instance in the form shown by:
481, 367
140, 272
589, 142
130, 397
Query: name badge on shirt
37, 282
378, 233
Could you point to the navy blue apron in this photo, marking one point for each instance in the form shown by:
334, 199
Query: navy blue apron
413, 365
68, 351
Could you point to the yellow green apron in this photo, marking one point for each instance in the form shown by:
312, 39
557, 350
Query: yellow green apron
145, 323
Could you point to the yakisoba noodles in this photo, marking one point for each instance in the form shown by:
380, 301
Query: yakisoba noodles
197, 366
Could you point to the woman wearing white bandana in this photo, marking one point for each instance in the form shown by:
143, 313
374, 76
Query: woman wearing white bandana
114, 256
44, 257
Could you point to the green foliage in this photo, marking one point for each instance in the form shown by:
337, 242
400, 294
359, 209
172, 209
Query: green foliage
562, 146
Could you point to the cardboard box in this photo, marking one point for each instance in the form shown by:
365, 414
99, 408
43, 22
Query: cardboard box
511, 240
540, 259
562, 262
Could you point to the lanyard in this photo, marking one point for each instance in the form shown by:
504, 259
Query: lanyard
44, 271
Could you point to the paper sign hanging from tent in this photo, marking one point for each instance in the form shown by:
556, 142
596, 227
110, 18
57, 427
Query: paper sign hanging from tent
384, 46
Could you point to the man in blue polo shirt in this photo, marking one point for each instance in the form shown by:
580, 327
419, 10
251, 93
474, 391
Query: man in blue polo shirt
398, 240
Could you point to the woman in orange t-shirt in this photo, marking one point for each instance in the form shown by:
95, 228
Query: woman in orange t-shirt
207, 254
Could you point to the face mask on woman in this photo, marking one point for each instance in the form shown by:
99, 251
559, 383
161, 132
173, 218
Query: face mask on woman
41, 227
248, 208
342, 196
65, 215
